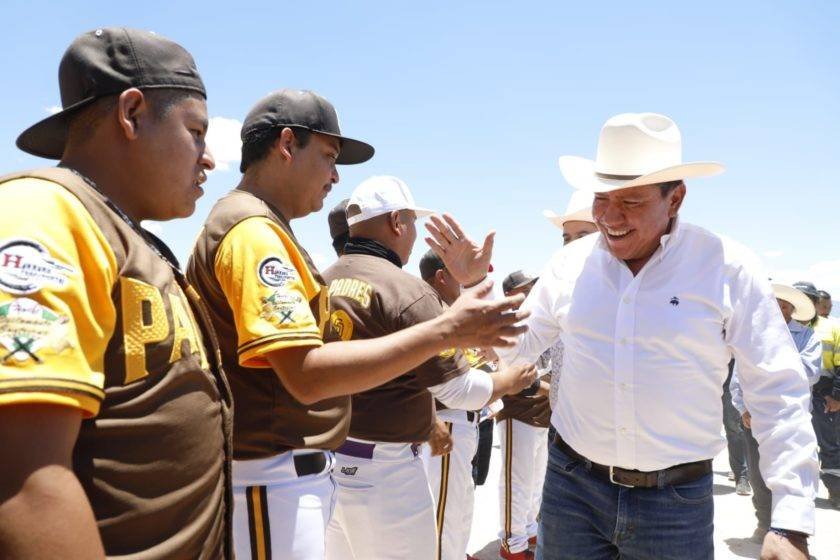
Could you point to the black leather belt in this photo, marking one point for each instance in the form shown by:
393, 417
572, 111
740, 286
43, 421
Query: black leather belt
470, 416
678, 474
310, 463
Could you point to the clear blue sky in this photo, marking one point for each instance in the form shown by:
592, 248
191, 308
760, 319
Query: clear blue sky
471, 103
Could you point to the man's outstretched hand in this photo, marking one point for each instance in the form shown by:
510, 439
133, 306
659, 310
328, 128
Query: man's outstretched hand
473, 321
464, 258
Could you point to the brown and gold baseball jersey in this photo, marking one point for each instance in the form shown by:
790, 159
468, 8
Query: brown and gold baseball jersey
475, 361
371, 297
264, 294
93, 317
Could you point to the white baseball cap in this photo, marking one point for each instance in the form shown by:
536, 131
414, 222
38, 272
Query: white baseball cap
379, 195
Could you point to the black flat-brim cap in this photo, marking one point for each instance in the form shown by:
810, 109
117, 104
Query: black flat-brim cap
303, 109
105, 62
517, 280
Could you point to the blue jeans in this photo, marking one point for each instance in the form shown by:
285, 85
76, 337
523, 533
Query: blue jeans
827, 430
586, 518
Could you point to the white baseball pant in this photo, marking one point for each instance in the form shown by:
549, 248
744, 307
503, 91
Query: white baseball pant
524, 461
282, 505
451, 482
384, 509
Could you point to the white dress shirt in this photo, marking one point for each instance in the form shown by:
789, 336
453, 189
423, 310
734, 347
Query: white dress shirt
645, 358
809, 346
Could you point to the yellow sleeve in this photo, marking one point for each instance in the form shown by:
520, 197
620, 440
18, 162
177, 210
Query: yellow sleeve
269, 288
56, 312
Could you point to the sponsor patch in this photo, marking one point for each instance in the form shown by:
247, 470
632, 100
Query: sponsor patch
275, 273
349, 471
28, 329
26, 267
278, 309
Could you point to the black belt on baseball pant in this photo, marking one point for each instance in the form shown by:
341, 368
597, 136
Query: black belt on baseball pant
310, 463
678, 474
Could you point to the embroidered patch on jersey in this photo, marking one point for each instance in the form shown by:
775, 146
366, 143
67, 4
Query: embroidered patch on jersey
278, 309
27, 328
26, 267
349, 471
342, 324
446, 354
275, 273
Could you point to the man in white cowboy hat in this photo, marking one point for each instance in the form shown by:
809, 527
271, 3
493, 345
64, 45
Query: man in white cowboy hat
650, 312
577, 222
796, 308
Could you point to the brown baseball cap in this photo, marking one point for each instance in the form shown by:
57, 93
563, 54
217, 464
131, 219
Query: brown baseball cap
517, 279
337, 219
303, 109
104, 62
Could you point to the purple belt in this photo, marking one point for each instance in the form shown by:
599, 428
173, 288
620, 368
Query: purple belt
365, 450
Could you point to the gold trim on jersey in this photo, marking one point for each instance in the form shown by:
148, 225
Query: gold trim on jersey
36, 384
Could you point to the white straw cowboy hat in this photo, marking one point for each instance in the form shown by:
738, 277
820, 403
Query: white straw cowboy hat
578, 210
634, 149
803, 307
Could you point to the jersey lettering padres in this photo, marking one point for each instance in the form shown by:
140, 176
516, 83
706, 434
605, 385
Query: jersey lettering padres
371, 297
264, 294
92, 317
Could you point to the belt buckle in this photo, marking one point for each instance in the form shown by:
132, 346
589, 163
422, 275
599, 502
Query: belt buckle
614, 481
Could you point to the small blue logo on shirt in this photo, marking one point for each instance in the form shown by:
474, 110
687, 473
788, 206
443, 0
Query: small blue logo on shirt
675, 301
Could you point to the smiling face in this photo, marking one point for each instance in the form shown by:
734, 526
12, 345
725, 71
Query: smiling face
633, 221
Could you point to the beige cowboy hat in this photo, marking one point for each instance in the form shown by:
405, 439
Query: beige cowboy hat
803, 307
579, 209
634, 149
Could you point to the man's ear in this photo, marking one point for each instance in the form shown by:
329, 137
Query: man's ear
132, 106
676, 199
439, 276
395, 223
285, 144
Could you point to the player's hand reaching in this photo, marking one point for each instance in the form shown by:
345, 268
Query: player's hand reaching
464, 258
476, 322
440, 440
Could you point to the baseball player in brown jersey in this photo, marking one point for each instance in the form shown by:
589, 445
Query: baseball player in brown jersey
269, 305
450, 474
114, 413
384, 508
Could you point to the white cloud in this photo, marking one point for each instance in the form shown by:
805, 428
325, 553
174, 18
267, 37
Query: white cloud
223, 141
52, 109
154, 227
825, 275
